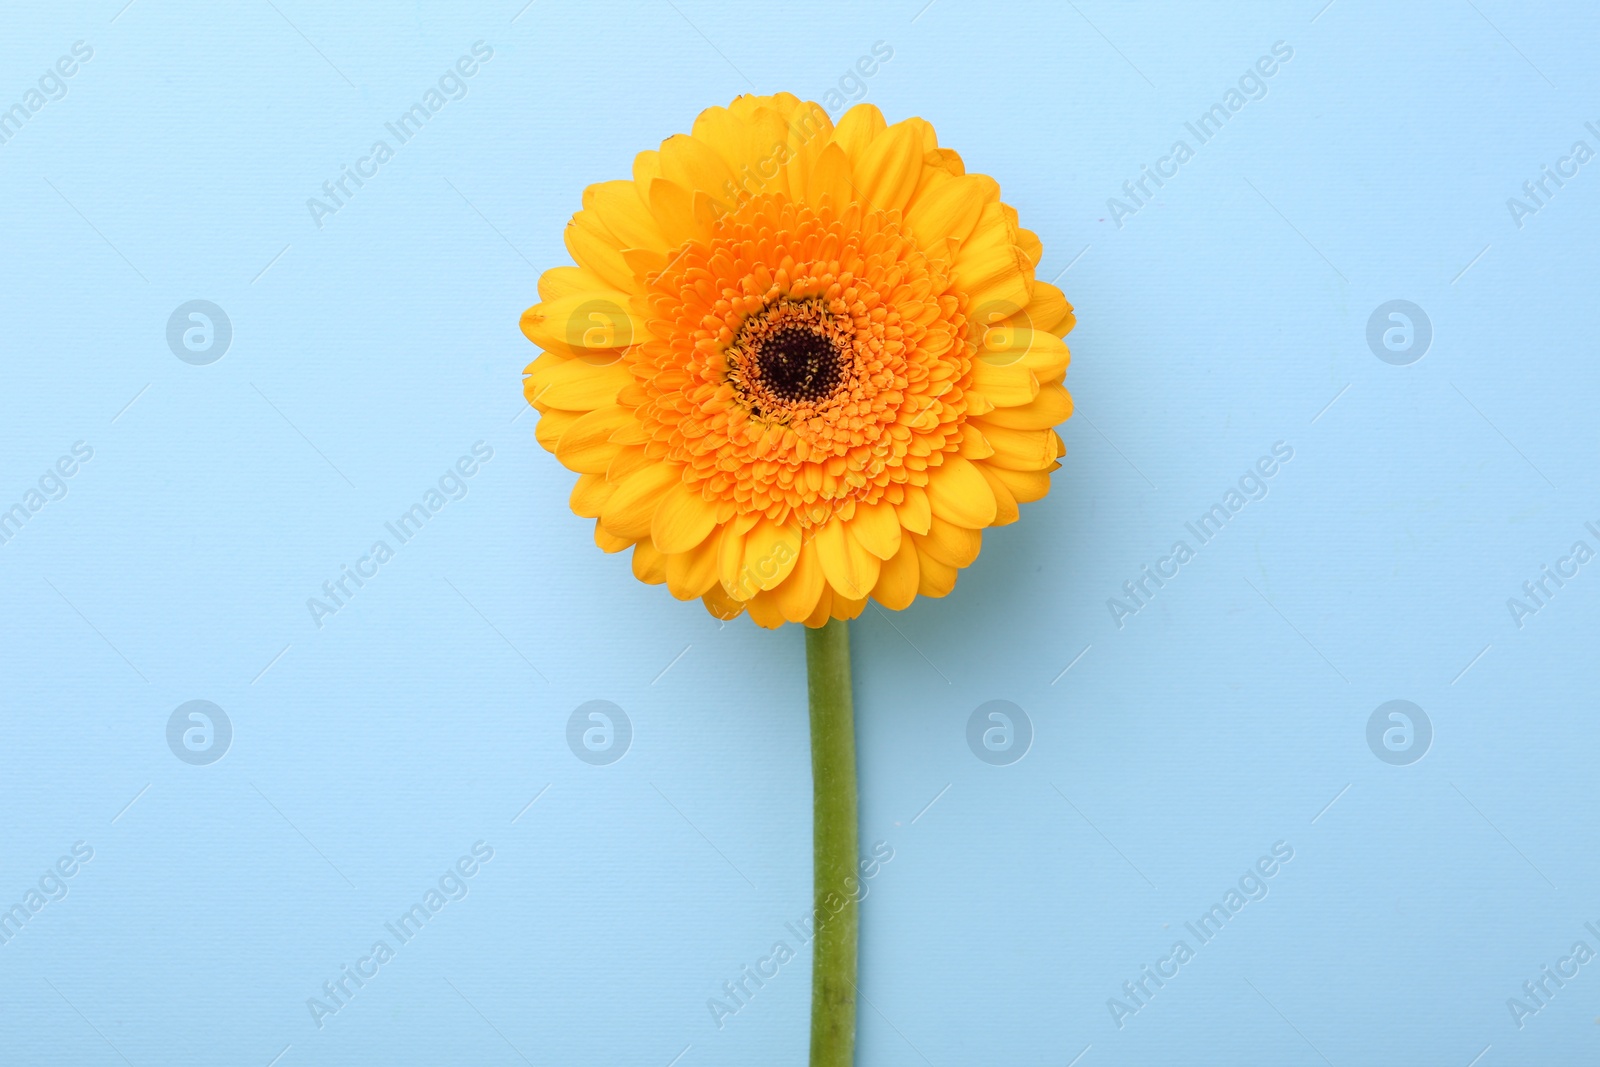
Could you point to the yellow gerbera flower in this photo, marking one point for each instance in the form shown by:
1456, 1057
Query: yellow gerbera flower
798, 364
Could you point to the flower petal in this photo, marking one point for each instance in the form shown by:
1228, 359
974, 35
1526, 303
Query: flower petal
692, 574
1019, 450
877, 528
578, 385
682, 520
649, 565
593, 248
851, 570
1005, 386
859, 127
960, 494
586, 445
720, 604
771, 550
1005, 505
1040, 351
1048, 309
934, 578
830, 180
567, 281
914, 511
951, 544
596, 324
1051, 407
824, 609
590, 494
886, 172
619, 208
1026, 486
633, 505
951, 208
797, 594
898, 579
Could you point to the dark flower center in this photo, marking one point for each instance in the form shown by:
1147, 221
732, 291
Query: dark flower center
798, 365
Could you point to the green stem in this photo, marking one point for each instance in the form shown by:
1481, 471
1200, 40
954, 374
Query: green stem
833, 778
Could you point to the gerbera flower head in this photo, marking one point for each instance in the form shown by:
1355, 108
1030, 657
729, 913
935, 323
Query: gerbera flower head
798, 365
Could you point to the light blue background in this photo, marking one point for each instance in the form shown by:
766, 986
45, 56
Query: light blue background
370, 753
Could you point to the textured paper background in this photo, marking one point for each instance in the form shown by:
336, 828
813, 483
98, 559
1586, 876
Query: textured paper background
1228, 313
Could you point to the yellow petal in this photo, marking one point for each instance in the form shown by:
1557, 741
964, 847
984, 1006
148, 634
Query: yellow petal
618, 207
914, 511
1048, 309
646, 168
797, 594
1005, 505
730, 559
824, 609
948, 543
851, 570
877, 528
591, 247
590, 494
673, 208
633, 505
645, 261
753, 144
633, 432
628, 460
764, 612
720, 604
691, 574
649, 565
1050, 408
934, 578
693, 164
552, 424
848, 607
1021, 450
959, 494
609, 542
830, 179
1043, 353
586, 446
682, 520
988, 266
1032, 248
1026, 486
810, 130
886, 172
558, 282
770, 552
597, 325
974, 445
859, 127
1004, 386
897, 580
578, 385
951, 208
